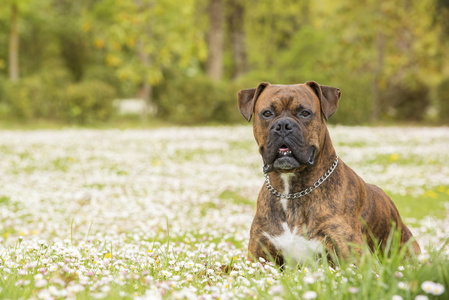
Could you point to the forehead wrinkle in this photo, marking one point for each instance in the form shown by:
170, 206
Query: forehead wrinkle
305, 96
276, 104
279, 103
284, 96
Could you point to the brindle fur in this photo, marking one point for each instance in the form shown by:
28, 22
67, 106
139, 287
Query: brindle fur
333, 213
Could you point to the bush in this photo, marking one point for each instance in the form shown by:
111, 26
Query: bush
194, 100
89, 101
443, 100
51, 95
104, 74
5, 92
355, 106
406, 102
35, 96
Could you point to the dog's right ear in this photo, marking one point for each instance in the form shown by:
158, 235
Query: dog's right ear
248, 98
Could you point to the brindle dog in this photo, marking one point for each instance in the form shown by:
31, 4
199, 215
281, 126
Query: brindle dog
328, 203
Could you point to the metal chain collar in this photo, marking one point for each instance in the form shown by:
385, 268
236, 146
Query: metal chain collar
303, 192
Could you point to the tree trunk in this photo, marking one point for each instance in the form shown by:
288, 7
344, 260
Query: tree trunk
237, 34
380, 46
145, 59
147, 91
72, 42
404, 43
216, 40
14, 45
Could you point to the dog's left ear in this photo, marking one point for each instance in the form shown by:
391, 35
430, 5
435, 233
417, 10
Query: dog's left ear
247, 99
328, 96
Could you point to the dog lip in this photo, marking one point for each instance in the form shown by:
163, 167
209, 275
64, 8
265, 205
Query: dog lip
284, 151
284, 148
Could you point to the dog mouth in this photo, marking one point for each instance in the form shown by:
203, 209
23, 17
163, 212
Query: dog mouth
284, 151
287, 159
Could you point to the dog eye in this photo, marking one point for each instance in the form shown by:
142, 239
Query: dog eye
305, 114
267, 114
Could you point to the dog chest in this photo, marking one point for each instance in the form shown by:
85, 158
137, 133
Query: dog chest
294, 246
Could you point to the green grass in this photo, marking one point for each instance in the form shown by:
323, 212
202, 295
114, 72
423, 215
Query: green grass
373, 276
430, 203
235, 197
394, 158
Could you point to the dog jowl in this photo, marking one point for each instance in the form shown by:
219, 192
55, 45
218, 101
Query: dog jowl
312, 201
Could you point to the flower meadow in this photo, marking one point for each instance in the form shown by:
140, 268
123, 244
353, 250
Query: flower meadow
165, 214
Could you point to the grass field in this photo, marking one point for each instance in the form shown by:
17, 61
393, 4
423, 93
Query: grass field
165, 213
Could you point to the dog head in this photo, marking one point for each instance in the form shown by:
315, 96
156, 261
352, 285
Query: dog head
289, 121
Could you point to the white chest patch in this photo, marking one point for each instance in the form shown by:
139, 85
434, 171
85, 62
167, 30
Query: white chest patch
286, 181
294, 246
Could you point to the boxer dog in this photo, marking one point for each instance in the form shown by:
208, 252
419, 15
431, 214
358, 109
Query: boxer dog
313, 204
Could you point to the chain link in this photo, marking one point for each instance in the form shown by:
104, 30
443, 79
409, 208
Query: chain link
303, 192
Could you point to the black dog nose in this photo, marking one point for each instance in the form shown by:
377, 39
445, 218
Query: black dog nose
283, 126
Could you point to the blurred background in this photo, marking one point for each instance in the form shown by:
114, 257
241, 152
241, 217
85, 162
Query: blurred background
182, 62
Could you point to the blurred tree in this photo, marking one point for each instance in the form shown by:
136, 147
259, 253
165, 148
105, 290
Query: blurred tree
387, 56
236, 21
20, 15
145, 57
39, 49
142, 38
389, 41
271, 27
14, 43
215, 39
379, 43
72, 36
442, 14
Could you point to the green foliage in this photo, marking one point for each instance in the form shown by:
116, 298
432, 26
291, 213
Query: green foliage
104, 74
51, 95
384, 55
407, 102
197, 99
443, 100
36, 96
355, 105
271, 27
89, 101
141, 39
299, 63
71, 37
